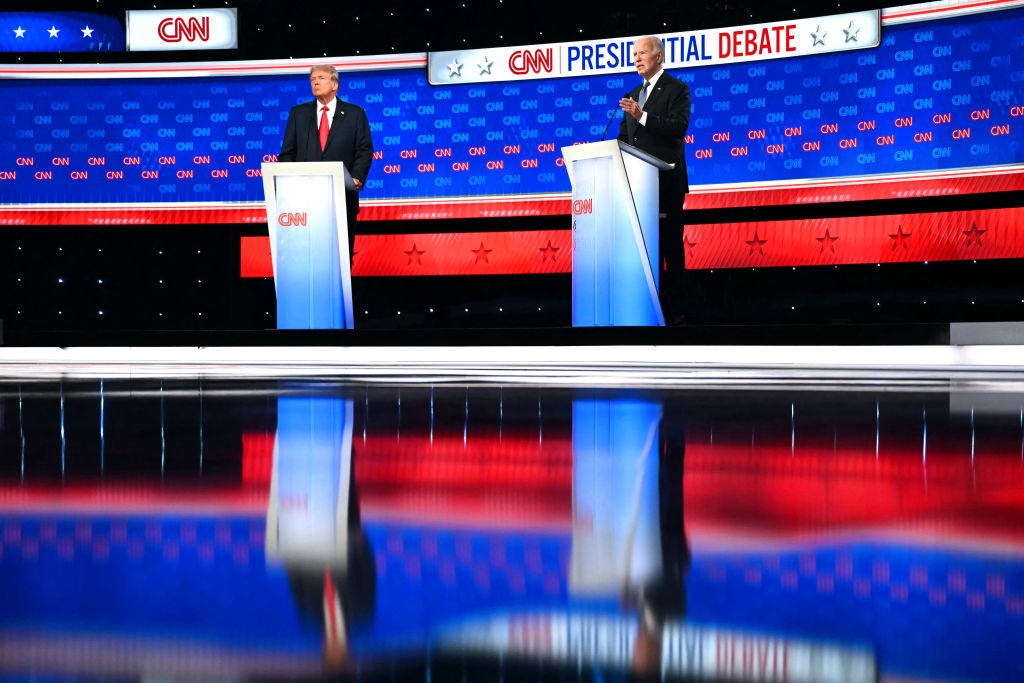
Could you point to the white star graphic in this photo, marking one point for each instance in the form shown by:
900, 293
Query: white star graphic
19, 32
819, 36
851, 33
485, 68
454, 69
53, 31
87, 32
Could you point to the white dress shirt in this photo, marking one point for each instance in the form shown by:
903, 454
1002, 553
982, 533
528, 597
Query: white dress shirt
331, 106
650, 91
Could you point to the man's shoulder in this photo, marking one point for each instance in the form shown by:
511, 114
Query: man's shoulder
349, 106
670, 80
303, 105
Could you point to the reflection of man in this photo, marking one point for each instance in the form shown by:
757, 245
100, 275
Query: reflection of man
330, 129
657, 114
628, 535
313, 521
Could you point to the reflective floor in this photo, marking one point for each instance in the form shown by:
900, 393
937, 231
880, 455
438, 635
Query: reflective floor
215, 530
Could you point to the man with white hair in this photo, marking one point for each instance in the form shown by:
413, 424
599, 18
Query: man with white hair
656, 116
330, 129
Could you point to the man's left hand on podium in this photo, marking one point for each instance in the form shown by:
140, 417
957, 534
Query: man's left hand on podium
358, 183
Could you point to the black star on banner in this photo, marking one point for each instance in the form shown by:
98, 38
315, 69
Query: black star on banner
974, 234
900, 238
549, 251
415, 253
481, 253
688, 243
756, 244
827, 241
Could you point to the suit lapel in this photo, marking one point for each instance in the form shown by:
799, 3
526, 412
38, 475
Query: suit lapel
655, 92
313, 130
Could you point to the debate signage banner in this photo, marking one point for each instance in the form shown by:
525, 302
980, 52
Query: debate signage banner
709, 47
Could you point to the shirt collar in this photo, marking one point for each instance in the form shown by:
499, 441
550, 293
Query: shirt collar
655, 77
331, 106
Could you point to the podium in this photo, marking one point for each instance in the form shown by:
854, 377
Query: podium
308, 223
614, 234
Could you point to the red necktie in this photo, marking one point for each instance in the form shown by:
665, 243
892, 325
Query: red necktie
324, 129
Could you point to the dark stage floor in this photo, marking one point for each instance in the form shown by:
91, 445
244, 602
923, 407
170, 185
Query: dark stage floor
235, 529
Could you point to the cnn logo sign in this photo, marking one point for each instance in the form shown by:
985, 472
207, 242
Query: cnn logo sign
531, 61
582, 206
289, 219
176, 29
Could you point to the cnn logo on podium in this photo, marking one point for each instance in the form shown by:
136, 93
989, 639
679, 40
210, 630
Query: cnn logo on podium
582, 206
291, 219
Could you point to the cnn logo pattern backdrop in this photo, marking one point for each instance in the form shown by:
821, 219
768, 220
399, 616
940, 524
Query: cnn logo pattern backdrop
938, 95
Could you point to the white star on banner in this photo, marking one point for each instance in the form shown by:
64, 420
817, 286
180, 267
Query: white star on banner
851, 33
53, 31
87, 32
819, 36
19, 32
485, 68
454, 69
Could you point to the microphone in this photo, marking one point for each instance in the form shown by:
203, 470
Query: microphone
610, 119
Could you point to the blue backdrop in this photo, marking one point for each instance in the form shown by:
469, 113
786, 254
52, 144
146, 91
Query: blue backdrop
935, 95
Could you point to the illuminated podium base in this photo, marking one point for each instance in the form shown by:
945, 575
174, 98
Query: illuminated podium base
309, 244
615, 234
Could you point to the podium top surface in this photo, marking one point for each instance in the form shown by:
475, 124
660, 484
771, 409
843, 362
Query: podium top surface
593, 150
281, 168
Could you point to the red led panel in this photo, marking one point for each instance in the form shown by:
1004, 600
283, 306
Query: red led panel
899, 238
256, 260
471, 253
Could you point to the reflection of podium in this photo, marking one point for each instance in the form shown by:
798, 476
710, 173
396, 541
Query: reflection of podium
616, 533
615, 234
309, 243
310, 484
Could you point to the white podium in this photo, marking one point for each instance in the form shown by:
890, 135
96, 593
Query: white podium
615, 234
308, 223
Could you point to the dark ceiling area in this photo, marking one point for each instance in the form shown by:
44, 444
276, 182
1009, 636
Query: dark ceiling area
301, 29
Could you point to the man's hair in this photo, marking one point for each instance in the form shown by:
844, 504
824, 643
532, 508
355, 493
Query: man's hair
659, 47
325, 67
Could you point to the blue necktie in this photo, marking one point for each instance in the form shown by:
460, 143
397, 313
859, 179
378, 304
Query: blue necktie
643, 94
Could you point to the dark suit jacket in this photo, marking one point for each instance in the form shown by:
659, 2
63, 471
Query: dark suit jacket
349, 140
668, 116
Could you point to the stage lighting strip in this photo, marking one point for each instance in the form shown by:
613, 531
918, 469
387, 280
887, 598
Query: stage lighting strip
177, 213
769, 193
918, 367
927, 11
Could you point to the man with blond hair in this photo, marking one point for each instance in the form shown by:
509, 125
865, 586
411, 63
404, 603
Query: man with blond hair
330, 129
